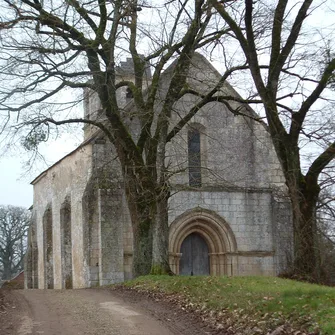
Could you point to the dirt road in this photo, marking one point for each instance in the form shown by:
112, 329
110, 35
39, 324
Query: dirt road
92, 312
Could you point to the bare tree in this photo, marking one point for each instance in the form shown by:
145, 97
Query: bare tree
326, 225
14, 224
49, 47
291, 66
326, 203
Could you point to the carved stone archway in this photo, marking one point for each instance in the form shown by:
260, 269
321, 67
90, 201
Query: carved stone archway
214, 230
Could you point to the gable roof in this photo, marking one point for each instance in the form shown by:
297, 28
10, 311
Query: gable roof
83, 144
197, 58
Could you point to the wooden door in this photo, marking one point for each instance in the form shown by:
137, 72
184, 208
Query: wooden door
194, 260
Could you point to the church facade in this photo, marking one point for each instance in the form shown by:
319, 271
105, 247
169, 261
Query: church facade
228, 213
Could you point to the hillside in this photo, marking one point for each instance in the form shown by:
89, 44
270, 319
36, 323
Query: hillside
247, 305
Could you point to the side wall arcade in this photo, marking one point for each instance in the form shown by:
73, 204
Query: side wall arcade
240, 241
58, 196
78, 230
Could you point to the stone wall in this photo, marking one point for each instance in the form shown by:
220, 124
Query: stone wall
31, 259
248, 214
92, 105
282, 232
236, 151
111, 236
104, 212
66, 179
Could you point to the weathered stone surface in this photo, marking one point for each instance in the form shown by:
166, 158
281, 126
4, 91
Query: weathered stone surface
111, 249
240, 210
66, 243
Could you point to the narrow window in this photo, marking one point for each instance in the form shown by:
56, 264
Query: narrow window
194, 158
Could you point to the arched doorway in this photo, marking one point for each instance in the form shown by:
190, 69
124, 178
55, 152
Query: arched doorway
215, 240
194, 259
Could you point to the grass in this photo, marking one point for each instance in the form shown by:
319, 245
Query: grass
254, 303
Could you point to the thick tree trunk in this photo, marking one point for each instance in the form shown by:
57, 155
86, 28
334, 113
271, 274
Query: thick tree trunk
306, 264
160, 260
142, 207
142, 248
142, 217
160, 249
149, 216
303, 191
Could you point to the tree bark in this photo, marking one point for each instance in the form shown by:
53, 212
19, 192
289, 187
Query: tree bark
160, 248
141, 201
304, 196
7, 267
142, 248
306, 253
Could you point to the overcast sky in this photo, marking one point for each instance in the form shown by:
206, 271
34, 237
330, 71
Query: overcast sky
14, 191
15, 188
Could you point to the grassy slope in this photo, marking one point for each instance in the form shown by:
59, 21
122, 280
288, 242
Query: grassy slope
262, 303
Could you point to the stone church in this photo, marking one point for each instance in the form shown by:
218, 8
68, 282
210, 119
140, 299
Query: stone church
228, 214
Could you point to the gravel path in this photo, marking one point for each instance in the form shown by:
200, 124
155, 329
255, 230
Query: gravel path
92, 312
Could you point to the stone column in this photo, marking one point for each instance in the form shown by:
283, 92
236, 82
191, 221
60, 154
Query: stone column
28, 264
213, 260
34, 254
282, 233
174, 260
31, 260
111, 236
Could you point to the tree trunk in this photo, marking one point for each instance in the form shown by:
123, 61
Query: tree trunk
7, 268
160, 249
306, 254
160, 260
149, 216
142, 207
303, 192
142, 248
142, 217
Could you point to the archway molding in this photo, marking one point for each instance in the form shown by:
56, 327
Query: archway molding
214, 230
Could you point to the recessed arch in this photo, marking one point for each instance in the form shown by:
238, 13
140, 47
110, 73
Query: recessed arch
66, 243
48, 248
213, 229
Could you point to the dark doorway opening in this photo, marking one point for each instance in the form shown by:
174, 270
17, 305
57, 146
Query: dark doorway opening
194, 260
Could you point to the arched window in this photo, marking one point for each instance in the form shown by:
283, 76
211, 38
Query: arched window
194, 158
